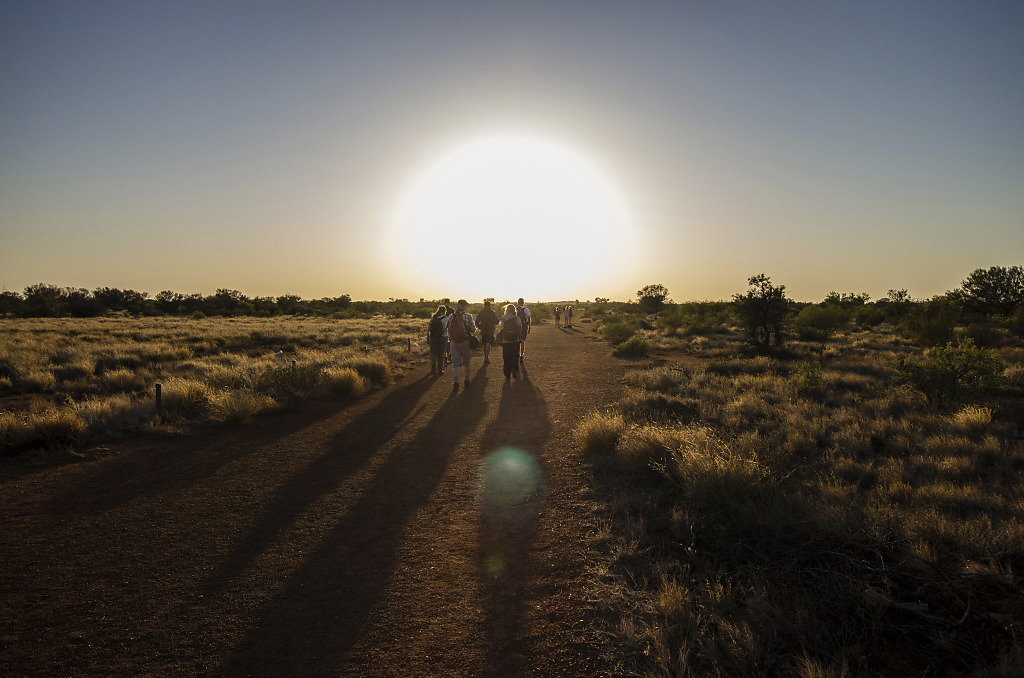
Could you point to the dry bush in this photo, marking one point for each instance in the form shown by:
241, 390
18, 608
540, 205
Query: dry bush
238, 405
817, 524
345, 381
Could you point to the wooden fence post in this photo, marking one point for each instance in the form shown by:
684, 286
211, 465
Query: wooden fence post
408, 345
160, 402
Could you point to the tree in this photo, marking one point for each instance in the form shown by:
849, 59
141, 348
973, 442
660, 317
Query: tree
763, 310
997, 290
652, 297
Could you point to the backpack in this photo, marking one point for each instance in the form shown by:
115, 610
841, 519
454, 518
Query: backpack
510, 331
521, 314
457, 331
436, 328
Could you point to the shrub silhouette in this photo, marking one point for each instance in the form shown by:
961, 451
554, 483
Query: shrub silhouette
763, 310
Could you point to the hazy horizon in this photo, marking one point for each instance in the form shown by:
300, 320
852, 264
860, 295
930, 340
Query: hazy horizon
272, 148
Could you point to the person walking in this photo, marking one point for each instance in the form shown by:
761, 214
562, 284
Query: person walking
487, 320
526, 323
568, 316
449, 312
437, 338
510, 335
460, 328
558, 316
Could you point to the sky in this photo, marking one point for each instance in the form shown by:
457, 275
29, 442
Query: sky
267, 146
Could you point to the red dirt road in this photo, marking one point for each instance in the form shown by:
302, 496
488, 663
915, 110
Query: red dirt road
377, 539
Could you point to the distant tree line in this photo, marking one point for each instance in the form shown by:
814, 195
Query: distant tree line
48, 301
988, 306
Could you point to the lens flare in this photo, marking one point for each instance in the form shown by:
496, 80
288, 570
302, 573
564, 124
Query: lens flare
513, 486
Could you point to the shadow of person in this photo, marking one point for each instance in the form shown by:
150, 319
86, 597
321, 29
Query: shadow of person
311, 624
346, 452
183, 461
513, 490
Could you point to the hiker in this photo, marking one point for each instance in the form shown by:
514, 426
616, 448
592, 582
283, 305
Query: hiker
487, 320
524, 316
460, 329
568, 316
437, 338
449, 312
511, 333
558, 316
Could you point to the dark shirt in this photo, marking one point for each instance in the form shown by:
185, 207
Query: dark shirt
487, 319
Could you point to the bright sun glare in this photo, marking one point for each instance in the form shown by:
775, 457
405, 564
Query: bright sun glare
512, 215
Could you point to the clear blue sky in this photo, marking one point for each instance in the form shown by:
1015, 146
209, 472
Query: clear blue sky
262, 146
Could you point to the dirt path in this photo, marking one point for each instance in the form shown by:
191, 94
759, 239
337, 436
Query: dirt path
395, 537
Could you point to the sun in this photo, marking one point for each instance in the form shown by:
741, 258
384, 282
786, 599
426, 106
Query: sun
512, 215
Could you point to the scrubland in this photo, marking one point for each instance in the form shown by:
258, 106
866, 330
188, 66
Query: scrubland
822, 509
70, 382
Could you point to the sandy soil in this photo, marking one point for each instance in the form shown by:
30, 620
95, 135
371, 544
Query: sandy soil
412, 533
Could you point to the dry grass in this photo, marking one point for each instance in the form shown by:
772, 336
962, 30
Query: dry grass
807, 516
69, 381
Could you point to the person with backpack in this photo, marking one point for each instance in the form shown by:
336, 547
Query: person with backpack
460, 334
558, 316
525, 322
568, 316
510, 334
487, 321
437, 338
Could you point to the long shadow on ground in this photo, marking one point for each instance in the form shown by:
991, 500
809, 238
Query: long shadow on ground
347, 452
311, 624
182, 461
513, 494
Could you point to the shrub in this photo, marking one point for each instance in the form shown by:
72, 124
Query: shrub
114, 414
231, 405
186, 400
49, 428
616, 333
636, 347
972, 418
375, 369
8, 370
121, 381
289, 383
345, 381
37, 381
807, 377
763, 310
933, 324
951, 372
66, 373
818, 323
600, 432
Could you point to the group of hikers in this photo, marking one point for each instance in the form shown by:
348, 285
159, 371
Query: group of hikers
451, 336
563, 312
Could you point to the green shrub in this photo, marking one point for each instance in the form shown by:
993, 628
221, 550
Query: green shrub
636, 347
951, 372
818, 323
616, 333
807, 377
933, 324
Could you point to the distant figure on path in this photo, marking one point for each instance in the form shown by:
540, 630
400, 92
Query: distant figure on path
511, 333
558, 316
448, 313
437, 338
568, 316
525, 319
487, 320
460, 328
